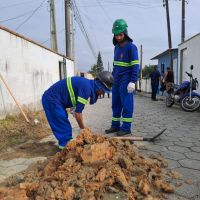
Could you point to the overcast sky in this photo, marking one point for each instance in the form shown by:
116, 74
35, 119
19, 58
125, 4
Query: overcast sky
146, 25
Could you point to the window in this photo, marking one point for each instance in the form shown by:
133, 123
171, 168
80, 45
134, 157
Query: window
162, 68
62, 69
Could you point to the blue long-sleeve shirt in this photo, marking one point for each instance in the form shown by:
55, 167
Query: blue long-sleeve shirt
155, 77
83, 89
126, 63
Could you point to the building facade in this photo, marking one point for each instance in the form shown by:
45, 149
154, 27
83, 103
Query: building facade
189, 54
164, 62
29, 69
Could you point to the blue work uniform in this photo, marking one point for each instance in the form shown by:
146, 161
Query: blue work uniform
155, 77
67, 93
125, 70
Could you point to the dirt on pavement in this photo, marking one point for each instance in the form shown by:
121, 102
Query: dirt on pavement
20, 139
92, 167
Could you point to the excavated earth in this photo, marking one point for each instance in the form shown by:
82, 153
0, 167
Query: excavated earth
91, 168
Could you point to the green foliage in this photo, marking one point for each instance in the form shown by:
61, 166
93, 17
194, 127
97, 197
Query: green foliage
93, 70
96, 68
99, 63
147, 70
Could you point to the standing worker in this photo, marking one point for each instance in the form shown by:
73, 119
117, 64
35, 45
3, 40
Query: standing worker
155, 79
72, 92
125, 73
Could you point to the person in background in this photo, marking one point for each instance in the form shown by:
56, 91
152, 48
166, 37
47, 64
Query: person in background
106, 92
155, 79
72, 92
125, 73
168, 78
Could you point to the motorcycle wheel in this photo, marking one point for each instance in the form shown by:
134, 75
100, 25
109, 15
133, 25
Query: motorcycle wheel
169, 101
190, 105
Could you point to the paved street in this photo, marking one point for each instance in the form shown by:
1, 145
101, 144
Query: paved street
180, 144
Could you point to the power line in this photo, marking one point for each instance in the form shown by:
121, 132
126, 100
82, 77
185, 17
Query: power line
82, 27
34, 11
128, 3
91, 23
50, 38
106, 14
19, 16
17, 4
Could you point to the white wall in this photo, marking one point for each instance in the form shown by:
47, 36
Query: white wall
191, 57
29, 70
146, 85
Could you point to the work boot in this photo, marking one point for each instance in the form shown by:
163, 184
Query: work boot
121, 133
111, 130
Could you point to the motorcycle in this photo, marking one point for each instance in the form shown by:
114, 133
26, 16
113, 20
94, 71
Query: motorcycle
184, 94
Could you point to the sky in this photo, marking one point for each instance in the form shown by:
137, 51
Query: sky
146, 20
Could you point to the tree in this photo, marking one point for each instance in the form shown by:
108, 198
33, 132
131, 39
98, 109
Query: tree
93, 70
96, 68
99, 63
147, 70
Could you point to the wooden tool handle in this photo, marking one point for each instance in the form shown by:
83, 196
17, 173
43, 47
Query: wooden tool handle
9, 90
130, 138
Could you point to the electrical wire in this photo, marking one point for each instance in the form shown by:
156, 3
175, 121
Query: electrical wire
119, 3
17, 4
91, 22
50, 38
29, 17
106, 14
82, 27
19, 16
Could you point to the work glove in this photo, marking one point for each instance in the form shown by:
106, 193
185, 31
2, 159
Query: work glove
72, 111
131, 87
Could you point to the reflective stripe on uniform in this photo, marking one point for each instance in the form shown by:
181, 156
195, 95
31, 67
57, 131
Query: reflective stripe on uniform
115, 119
126, 64
61, 147
82, 100
127, 119
71, 91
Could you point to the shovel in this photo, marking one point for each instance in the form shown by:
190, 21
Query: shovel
131, 138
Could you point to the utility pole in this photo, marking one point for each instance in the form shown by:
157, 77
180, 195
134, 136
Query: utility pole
183, 22
140, 80
68, 29
53, 26
166, 4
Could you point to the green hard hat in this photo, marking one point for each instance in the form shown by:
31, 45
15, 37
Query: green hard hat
119, 26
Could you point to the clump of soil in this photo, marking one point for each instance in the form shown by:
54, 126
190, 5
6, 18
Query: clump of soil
91, 167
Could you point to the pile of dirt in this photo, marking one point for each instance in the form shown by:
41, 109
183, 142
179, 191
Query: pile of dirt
91, 167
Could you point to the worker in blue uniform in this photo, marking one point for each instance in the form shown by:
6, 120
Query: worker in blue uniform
72, 92
155, 79
125, 73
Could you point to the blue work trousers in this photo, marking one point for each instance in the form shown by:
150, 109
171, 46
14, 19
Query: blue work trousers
154, 88
58, 120
122, 105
